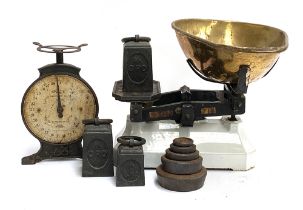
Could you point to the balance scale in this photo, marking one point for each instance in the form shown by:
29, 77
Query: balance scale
217, 55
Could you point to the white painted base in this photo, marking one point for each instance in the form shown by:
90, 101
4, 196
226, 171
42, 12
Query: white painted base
222, 143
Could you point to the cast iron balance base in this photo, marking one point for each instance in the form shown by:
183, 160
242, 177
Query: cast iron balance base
161, 117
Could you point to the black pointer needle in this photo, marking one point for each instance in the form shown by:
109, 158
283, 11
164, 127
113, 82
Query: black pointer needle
59, 106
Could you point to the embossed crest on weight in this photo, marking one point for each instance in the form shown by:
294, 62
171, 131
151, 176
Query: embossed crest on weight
137, 68
131, 170
61, 150
97, 153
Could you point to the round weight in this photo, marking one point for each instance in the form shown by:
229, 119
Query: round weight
181, 183
183, 142
178, 156
181, 167
182, 150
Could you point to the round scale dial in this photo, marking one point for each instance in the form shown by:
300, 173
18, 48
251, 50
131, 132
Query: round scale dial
54, 106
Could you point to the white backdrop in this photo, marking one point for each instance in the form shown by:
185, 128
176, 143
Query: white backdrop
273, 117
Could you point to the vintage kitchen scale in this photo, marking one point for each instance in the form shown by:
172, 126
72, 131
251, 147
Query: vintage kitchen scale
231, 53
54, 106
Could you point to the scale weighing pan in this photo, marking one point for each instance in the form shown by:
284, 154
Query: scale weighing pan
217, 48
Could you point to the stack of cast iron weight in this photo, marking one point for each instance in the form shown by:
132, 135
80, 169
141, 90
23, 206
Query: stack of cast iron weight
181, 169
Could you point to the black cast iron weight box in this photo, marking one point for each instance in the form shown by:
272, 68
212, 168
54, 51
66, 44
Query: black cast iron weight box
97, 148
137, 84
130, 161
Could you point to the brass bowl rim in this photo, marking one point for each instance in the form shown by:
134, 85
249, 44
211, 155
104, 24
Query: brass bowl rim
234, 48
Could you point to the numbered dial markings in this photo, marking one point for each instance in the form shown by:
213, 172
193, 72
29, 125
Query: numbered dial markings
54, 107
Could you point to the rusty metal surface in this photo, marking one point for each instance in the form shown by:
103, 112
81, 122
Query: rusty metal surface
181, 171
182, 150
181, 183
217, 48
183, 142
181, 167
178, 156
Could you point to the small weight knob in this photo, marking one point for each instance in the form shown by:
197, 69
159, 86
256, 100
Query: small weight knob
136, 38
183, 142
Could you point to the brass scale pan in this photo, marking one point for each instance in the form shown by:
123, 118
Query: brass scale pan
217, 48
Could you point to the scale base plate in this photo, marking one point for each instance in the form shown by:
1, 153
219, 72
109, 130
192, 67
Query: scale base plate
222, 143
54, 151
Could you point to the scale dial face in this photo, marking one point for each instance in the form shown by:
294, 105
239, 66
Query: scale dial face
54, 106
